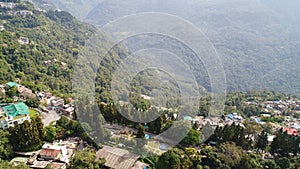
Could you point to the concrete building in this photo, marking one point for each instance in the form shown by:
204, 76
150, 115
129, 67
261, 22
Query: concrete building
13, 114
57, 102
54, 152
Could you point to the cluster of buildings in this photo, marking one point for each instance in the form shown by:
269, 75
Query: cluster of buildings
280, 107
15, 113
12, 5
24, 92
8, 5
57, 155
23, 13
50, 62
18, 112
269, 109
233, 118
59, 105
201, 121
23, 41
55, 103
41, 95
67, 110
286, 110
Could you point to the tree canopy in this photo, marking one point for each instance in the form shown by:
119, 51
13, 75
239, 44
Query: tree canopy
86, 159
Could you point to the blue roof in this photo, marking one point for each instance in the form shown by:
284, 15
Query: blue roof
12, 84
257, 120
230, 116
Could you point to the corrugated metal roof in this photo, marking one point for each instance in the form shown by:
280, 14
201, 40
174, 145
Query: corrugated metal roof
117, 158
50, 153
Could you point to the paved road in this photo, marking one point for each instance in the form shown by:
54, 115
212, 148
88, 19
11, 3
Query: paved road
50, 117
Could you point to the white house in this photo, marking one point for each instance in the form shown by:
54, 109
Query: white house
13, 114
54, 152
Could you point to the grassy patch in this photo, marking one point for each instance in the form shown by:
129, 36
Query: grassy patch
33, 113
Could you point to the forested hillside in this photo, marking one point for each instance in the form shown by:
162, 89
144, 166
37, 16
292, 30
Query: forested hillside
40, 47
257, 40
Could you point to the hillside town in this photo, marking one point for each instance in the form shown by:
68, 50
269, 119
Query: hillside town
45, 125
278, 114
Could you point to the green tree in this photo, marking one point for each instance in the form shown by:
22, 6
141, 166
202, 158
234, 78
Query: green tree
5, 147
230, 154
2, 95
283, 163
231, 133
86, 159
262, 141
35, 137
50, 135
174, 159
32, 102
194, 156
141, 141
67, 128
191, 139
141, 131
285, 144
156, 125
152, 161
40, 126
12, 91
25, 136
248, 162
270, 164
210, 157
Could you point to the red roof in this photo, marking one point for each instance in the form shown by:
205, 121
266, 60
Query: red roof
290, 131
52, 153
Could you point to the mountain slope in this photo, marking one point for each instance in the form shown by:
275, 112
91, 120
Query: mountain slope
40, 47
257, 40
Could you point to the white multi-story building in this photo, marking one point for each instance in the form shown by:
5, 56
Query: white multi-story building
13, 114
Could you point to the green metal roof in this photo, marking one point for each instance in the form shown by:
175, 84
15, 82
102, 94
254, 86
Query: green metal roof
16, 109
12, 84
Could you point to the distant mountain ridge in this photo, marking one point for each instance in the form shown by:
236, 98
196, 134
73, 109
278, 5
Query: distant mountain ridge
257, 40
